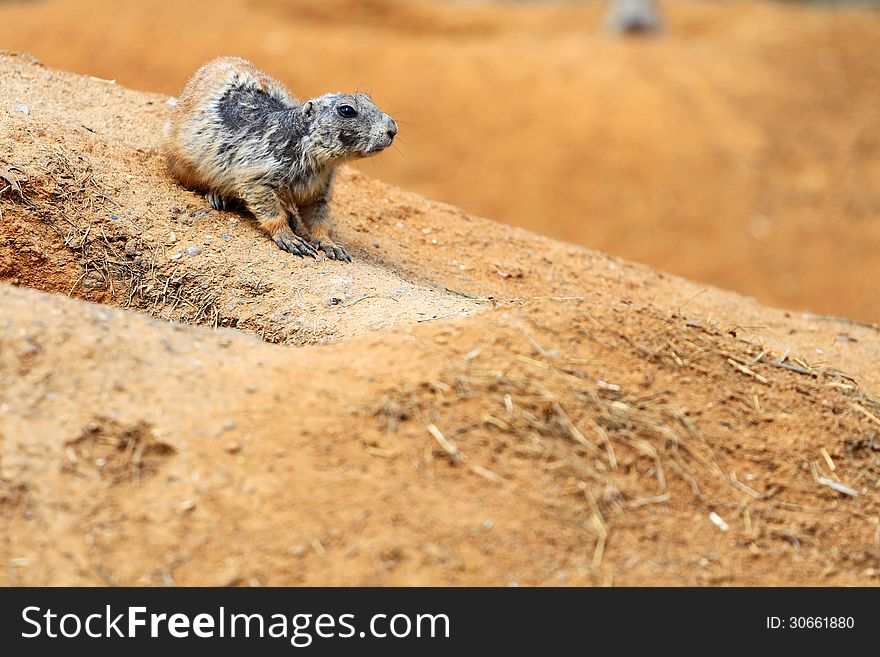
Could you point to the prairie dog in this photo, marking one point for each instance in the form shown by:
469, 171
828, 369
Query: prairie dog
238, 135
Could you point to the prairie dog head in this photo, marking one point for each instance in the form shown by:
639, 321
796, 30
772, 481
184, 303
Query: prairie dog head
348, 126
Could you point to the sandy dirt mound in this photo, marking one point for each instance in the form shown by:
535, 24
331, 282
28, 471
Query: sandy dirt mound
564, 418
740, 148
123, 219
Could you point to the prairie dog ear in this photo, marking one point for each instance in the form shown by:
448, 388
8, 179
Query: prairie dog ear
308, 108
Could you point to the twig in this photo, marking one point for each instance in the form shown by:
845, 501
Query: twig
777, 362
465, 295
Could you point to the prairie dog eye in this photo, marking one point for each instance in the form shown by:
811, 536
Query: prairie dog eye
347, 111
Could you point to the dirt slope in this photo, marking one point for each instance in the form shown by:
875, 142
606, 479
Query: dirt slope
741, 148
563, 417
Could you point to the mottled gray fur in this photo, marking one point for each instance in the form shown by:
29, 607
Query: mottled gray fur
246, 138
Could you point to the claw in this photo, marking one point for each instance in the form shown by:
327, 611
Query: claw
295, 245
216, 201
332, 251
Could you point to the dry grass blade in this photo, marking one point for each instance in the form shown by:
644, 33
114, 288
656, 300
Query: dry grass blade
487, 474
840, 320
448, 446
657, 499
546, 353
494, 421
864, 411
599, 525
603, 436
840, 488
748, 490
748, 371
827, 457
572, 430
719, 522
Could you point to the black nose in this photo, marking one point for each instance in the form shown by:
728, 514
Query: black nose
392, 129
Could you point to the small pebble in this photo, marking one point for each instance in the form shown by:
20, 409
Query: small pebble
193, 250
24, 109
